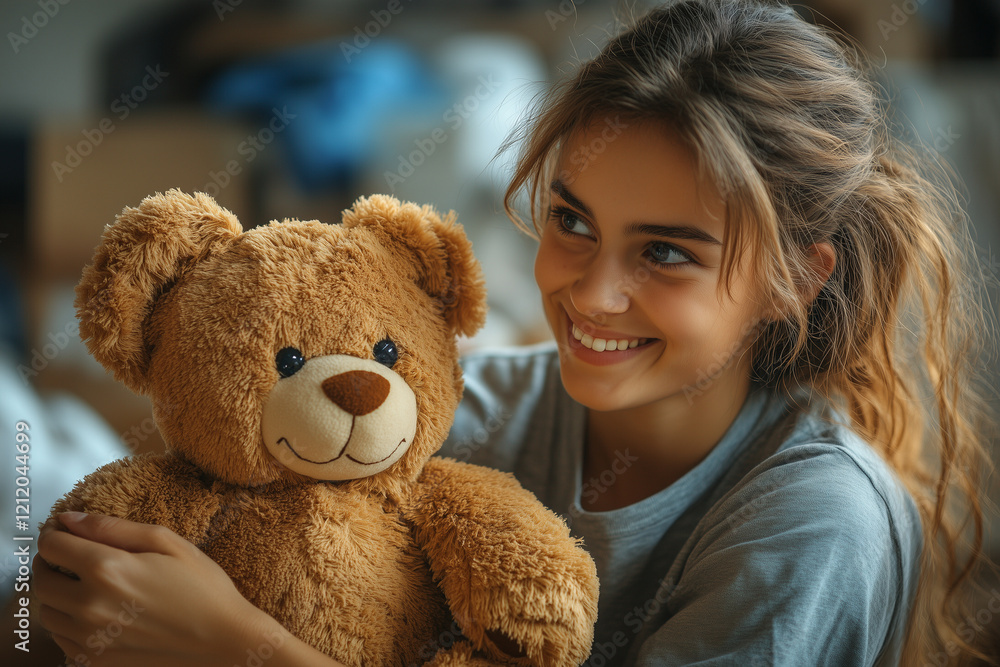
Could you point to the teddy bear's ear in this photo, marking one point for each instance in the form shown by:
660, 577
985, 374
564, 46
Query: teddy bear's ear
446, 267
139, 258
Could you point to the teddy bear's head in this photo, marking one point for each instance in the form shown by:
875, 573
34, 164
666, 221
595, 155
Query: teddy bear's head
295, 351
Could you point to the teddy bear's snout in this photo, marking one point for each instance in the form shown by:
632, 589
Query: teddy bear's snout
356, 392
339, 417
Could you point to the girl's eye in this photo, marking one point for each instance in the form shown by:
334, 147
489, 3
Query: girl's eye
660, 254
569, 223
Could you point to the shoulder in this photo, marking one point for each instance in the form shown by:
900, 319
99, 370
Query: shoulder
817, 469
828, 521
824, 530
822, 479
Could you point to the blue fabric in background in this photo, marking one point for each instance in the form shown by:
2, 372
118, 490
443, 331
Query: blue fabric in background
338, 102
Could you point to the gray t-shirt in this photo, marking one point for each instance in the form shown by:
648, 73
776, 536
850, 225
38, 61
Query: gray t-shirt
791, 543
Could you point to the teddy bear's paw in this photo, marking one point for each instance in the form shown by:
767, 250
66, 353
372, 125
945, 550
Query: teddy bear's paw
541, 624
462, 654
539, 644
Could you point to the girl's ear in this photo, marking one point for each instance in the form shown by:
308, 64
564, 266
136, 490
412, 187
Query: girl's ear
436, 248
822, 260
139, 259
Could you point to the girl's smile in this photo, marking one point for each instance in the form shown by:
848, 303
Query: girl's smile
603, 347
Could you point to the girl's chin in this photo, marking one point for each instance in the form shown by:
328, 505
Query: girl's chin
588, 394
597, 396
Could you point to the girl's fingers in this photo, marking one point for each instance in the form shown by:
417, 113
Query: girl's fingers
123, 534
98, 541
72, 651
57, 622
50, 586
76, 554
79, 645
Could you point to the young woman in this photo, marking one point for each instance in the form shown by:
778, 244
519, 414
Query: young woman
764, 315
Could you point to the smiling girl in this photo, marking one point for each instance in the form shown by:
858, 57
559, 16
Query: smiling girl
763, 314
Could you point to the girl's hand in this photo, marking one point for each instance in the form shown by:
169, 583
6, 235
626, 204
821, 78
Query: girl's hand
145, 596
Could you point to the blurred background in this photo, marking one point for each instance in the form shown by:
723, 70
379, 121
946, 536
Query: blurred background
294, 108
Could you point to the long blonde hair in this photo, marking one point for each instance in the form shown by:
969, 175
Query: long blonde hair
794, 134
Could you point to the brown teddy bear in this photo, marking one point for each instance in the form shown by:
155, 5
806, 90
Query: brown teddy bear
303, 375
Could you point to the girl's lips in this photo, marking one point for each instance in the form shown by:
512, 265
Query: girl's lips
596, 355
593, 331
601, 344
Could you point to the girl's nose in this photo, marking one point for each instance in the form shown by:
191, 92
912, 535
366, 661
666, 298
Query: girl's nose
602, 289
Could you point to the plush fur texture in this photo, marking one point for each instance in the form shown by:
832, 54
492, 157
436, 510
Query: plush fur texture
403, 559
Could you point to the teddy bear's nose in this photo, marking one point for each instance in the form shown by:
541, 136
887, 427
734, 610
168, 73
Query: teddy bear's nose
356, 392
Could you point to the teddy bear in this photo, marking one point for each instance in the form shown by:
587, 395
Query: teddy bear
303, 375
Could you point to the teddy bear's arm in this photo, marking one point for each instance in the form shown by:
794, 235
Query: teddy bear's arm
154, 488
505, 562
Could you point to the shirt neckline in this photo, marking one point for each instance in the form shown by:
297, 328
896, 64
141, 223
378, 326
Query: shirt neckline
663, 507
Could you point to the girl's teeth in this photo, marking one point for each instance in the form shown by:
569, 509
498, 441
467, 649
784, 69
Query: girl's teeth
603, 345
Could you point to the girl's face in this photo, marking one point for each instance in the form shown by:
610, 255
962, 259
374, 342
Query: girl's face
628, 266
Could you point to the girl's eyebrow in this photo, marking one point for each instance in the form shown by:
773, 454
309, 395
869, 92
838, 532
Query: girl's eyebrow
688, 232
562, 190
673, 231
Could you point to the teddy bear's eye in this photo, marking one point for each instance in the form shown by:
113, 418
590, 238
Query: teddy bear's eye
289, 361
385, 352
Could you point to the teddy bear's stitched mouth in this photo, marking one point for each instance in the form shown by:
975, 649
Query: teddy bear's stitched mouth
394, 450
364, 463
